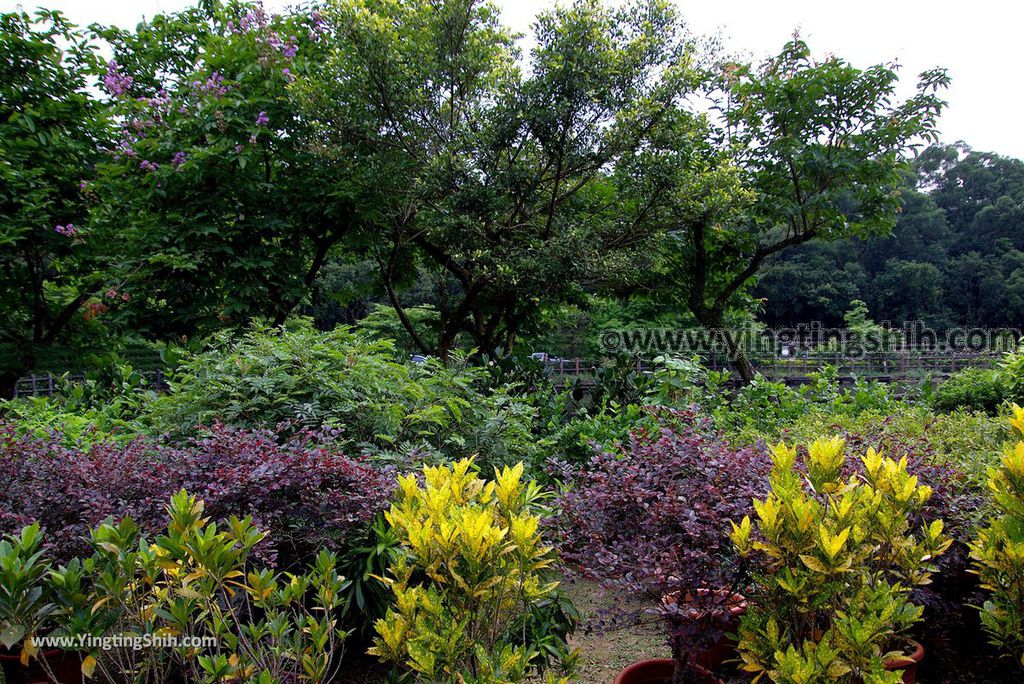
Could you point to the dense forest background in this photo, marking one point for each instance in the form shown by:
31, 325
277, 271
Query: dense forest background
953, 259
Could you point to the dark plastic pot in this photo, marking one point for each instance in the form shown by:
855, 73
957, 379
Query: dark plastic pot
66, 667
908, 665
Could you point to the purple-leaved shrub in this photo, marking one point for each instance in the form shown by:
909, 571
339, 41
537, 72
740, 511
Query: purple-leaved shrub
653, 517
297, 487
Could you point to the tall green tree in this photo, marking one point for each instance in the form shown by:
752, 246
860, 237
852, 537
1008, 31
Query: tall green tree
799, 150
503, 171
51, 256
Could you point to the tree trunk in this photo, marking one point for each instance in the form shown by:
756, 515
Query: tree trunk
743, 367
8, 380
714, 323
9, 376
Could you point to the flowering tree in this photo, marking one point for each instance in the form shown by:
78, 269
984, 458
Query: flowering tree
51, 256
225, 200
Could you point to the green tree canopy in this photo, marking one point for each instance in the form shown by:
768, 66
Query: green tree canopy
52, 258
225, 198
503, 173
802, 150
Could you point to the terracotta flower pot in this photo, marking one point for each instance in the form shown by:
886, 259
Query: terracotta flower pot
659, 671
66, 667
654, 671
715, 655
908, 664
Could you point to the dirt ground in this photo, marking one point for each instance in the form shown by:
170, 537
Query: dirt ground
605, 650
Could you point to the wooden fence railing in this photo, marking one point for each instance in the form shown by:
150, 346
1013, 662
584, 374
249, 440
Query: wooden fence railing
796, 369
47, 384
792, 370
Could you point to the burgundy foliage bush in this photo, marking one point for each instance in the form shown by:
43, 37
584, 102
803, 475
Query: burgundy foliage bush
657, 512
302, 491
653, 517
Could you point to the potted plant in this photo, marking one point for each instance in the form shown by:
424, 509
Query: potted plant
997, 553
238, 621
645, 518
835, 555
26, 610
472, 570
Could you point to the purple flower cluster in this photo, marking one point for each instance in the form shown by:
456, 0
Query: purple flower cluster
319, 27
291, 48
256, 19
287, 48
116, 83
299, 488
262, 119
178, 159
139, 126
214, 85
125, 148
157, 103
67, 231
147, 165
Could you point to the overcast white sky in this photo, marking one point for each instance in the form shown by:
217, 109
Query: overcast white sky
979, 42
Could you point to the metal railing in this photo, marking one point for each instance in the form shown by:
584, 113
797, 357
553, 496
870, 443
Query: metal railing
47, 384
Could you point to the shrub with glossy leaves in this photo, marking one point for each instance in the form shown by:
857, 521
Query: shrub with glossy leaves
836, 560
472, 569
998, 551
26, 601
950, 452
197, 579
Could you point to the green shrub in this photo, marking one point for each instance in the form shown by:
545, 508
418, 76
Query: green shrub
472, 573
963, 439
760, 407
975, 389
1011, 372
45, 416
105, 406
998, 551
609, 427
26, 599
195, 581
343, 380
675, 380
837, 557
